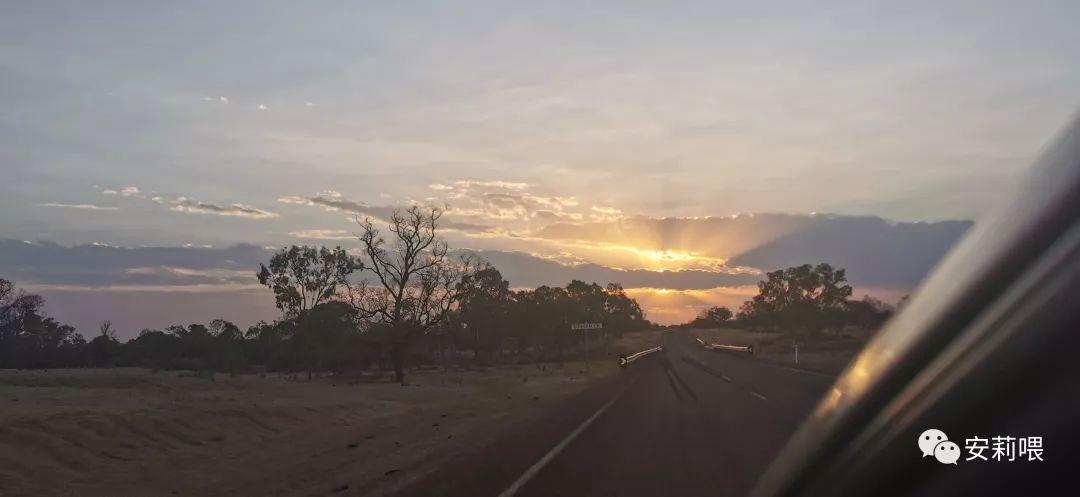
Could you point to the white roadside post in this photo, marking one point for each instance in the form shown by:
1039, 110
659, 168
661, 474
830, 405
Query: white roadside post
584, 328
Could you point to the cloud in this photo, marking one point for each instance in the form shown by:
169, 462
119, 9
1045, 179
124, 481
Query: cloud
875, 251
324, 234
127, 191
527, 270
47, 263
95, 265
508, 206
334, 201
508, 185
88, 207
192, 206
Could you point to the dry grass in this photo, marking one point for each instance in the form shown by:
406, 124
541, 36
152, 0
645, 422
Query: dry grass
826, 355
636, 341
132, 432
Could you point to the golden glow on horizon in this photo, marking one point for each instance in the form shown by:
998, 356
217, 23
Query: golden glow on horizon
626, 257
672, 306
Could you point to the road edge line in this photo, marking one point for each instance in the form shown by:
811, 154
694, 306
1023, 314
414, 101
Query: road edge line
539, 465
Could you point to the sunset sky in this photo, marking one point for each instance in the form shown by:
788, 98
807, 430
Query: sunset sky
559, 130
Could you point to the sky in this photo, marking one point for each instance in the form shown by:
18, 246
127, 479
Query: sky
211, 124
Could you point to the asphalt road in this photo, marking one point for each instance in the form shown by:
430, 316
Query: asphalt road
685, 421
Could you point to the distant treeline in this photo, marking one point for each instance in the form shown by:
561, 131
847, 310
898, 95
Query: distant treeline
490, 324
802, 302
405, 302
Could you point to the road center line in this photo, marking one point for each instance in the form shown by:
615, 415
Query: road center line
535, 468
758, 395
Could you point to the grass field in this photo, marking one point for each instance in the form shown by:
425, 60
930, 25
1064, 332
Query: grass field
120, 432
825, 355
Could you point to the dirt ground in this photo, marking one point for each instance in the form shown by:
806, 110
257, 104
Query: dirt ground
133, 432
827, 355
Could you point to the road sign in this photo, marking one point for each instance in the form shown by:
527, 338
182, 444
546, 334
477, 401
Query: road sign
586, 326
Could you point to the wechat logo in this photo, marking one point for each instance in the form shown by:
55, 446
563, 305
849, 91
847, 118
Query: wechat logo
935, 443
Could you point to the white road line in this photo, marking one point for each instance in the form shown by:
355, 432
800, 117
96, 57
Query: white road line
758, 395
535, 468
725, 378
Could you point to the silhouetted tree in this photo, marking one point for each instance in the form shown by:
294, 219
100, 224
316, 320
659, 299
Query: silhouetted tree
713, 317
304, 277
104, 349
621, 313
226, 350
547, 309
16, 306
868, 314
484, 309
326, 336
801, 300
416, 283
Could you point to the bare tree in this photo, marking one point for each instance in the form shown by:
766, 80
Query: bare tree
415, 282
107, 330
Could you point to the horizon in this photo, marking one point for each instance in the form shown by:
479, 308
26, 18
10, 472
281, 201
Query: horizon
141, 287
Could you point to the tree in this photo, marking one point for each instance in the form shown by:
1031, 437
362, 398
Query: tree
226, 347
153, 349
416, 282
868, 314
16, 306
106, 329
622, 313
47, 343
325, 336
542, 314
304, 277
31, 339
801, 300
713, 317
484, 309
104, 349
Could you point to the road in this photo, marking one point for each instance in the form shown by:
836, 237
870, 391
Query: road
685, 421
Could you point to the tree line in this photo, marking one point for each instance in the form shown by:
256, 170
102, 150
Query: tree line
404, 301
802, 301
492, 324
